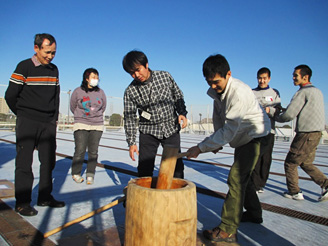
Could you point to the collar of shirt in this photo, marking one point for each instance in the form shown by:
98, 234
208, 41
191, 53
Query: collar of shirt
37, 63
306, 84
266, 88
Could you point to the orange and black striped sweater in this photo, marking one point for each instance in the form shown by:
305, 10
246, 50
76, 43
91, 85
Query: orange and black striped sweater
33, 91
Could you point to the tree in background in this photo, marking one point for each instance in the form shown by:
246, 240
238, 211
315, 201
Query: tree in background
115, 120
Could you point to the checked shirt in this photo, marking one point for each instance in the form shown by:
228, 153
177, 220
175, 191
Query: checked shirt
159, 96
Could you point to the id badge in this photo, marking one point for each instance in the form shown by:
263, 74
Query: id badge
146, 115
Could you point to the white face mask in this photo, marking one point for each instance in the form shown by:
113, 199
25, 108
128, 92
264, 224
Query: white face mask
94, 82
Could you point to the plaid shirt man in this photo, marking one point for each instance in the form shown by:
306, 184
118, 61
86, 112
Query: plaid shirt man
159, 101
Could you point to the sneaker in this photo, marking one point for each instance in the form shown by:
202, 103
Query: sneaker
89, 180
298, 196
324, 195
261, 190
77, 178
217, 235
246, 217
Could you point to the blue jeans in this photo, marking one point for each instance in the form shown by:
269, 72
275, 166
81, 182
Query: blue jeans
86, 139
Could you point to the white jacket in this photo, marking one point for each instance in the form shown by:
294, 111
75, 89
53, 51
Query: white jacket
237, 117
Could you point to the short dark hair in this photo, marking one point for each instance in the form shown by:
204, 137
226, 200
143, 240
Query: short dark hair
39, 38
305, 70
264, 70
215, 64
86, 74
132, 59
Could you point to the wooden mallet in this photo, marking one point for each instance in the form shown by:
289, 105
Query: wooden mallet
183, 154
167, 167
165, 178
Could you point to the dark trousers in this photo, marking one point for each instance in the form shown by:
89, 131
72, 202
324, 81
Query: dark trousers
31, 134
148, 146
86, 139
261, 172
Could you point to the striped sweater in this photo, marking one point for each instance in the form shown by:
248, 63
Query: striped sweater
33, 91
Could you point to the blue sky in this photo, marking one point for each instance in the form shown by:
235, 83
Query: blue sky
177, 36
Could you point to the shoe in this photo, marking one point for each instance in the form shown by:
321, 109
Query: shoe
298, 196
261, 190
77, 178
26, 210
51, 203
217, 235
324, 195
89, 180
246, 217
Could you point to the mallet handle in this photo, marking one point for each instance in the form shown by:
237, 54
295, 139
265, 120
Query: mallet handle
83, 217
180, 155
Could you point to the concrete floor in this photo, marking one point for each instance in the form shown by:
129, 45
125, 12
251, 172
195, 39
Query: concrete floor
107, 228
